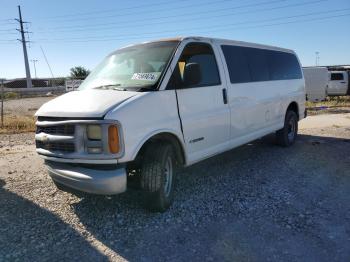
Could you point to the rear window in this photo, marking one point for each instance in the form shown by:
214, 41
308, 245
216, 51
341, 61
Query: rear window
337, 76
247, 64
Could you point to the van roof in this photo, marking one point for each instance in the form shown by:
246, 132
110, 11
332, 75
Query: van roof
222, 41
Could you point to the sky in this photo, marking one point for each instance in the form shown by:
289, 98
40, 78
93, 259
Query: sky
82, 32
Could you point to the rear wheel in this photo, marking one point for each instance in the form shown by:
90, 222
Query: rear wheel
157, 179
287, 135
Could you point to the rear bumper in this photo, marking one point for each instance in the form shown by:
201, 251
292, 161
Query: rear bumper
102, 182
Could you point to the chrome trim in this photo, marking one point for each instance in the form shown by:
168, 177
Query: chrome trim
43, 137
75, 121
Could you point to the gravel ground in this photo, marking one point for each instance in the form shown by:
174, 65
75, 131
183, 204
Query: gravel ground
258, 202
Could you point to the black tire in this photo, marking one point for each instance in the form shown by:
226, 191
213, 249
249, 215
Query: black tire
287, 135
156, 183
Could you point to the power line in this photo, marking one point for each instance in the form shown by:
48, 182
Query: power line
189, 18
210, 31
290, 22
10, 33
96, 26
167, 2
6, 24
6, 30
8, 40
6, 19
212, 26
118, 14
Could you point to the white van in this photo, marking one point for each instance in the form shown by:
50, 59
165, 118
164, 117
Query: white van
316, 83
338, 83
150, 108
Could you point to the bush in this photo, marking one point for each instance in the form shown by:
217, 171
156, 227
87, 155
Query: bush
11, 95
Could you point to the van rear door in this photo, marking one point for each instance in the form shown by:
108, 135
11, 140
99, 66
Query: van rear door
338, 84
202, 103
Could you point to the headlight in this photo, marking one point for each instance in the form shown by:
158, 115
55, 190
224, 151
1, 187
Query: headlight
113, 139
94, 132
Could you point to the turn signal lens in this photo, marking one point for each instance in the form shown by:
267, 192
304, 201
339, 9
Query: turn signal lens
113, 139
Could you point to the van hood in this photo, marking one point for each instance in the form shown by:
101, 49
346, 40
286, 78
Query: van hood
86, 103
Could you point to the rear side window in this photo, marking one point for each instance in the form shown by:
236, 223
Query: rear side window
257, 59
283, 66
247, 64
337, 76
237, 64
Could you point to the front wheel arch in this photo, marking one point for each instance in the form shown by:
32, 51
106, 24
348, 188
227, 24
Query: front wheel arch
163, 137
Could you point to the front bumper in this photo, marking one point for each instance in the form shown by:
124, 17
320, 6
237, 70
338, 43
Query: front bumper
95, 181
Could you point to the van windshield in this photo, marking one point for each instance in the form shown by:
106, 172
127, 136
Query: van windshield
137, 67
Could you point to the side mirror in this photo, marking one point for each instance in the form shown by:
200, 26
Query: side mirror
192, 74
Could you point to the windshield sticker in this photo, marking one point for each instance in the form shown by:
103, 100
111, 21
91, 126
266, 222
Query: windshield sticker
145, 76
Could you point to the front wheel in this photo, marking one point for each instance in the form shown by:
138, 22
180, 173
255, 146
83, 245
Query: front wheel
287, 135
158, 176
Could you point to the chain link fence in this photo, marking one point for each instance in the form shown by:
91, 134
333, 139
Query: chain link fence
18, 106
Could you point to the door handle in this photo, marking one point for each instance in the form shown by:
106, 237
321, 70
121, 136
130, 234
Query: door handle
224, 95
343, 82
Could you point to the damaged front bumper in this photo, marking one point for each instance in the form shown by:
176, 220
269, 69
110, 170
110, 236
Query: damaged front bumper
90, 180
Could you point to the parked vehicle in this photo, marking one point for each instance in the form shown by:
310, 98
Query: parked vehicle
150, 108
316, 82
338, 83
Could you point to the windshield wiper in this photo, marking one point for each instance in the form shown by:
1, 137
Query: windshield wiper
114, 87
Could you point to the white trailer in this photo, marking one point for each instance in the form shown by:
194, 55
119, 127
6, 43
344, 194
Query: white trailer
316, 83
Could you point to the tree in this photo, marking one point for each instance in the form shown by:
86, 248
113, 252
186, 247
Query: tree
79, 72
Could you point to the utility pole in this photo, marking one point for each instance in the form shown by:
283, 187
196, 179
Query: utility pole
2, 102
34, 61
317, 57
24, 44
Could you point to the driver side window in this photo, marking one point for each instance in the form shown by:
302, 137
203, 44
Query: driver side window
202, 56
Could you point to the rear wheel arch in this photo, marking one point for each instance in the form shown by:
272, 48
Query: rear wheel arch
293, 106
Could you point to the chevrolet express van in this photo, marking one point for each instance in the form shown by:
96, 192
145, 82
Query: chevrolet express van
150, 108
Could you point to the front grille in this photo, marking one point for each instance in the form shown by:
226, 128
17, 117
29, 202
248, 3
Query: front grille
56, 130
67, 147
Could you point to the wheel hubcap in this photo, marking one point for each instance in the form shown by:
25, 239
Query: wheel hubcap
168, 174
291, 130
